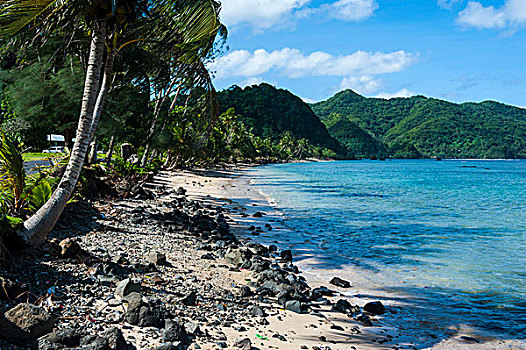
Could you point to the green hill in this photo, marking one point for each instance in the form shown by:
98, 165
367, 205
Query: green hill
426, 127
270, 112
356, 140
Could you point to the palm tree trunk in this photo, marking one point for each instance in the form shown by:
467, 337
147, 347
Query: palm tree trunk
156, 112
42, 222
110, 150
147, 147
101, 99
168, 159
92, 150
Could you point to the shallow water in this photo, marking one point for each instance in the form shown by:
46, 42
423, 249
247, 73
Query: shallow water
449, 237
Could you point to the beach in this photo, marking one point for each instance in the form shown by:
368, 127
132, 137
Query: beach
233, 188
201, 260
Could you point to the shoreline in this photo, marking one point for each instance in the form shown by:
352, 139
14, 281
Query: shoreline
181, 270
164, 273
235, 189
225, 188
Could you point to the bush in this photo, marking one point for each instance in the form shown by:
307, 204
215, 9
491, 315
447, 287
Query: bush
124, 168
19, 194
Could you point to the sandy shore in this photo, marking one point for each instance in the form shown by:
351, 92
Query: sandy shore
222, 187
159, 271
231, 188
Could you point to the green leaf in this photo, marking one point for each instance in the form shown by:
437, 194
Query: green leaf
40, 195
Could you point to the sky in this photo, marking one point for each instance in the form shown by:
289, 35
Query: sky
456, 50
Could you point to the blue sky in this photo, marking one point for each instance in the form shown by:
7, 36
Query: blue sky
457, 50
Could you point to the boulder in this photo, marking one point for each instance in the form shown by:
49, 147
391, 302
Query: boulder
375, 308
469, 339
365, 320
68, 337
173, 331
181, 191
192, 328
245, 291
119, 259
321, 292
156, 258
294, 306
29, 322
69, 248
257, 311
115, 339
345, 307
139, 313
126, 151
243, 344
260, 266
190, 299
237, 256
93, 342
286, 255
127, 286
338, 282
147, 317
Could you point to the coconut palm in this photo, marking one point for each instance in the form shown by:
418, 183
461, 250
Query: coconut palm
185, 29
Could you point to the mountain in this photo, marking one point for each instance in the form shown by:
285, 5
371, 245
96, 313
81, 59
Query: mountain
358, 142
425, 127
270, 112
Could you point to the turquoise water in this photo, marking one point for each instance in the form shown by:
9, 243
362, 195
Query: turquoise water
449, 236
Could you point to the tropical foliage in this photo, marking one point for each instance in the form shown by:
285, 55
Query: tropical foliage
425, 127
179, 34
20, 194
230, 140
269, 112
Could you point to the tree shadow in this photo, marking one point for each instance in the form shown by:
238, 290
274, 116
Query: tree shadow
78, 219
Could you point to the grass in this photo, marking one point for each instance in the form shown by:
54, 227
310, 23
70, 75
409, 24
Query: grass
28, 157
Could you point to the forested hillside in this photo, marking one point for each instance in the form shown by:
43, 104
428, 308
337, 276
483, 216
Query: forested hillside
426, 127
270, 112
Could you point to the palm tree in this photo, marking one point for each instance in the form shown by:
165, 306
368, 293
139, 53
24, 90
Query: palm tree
185, 28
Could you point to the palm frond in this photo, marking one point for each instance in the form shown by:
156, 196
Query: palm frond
17, 14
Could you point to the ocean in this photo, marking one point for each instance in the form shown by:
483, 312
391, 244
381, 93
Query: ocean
445, 240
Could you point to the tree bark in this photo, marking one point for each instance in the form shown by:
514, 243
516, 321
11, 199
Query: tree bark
93, 148
42, 222
156, 112
110, 150
101, 99
68, 142
168, 159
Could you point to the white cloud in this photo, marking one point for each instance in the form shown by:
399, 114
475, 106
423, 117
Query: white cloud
265, 14
363, 85
349, 10
293, 63
478, 16
512, 14
260, 14
401, 93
